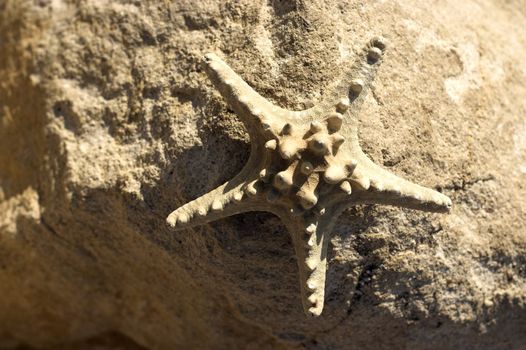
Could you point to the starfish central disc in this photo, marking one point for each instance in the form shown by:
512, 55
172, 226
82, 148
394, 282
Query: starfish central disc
298, 157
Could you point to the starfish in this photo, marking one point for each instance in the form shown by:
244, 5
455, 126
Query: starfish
306, 167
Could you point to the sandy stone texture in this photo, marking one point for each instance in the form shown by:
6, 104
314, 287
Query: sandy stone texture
108, 122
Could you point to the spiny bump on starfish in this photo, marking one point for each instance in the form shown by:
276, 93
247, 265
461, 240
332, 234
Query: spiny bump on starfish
306, 167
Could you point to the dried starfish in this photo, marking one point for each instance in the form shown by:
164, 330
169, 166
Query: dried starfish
306, 167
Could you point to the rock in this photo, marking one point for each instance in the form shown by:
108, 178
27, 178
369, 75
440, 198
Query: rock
108, 122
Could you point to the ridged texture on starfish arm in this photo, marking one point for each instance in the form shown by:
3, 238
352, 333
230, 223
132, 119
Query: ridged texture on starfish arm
306, 167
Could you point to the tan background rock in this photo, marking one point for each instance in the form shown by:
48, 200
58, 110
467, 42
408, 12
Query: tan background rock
108, 122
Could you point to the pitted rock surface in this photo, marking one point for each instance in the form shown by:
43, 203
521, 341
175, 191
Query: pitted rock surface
108, 122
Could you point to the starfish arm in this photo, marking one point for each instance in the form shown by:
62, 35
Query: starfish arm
256, 112
310, 239
229, 199
382, 187
350, 91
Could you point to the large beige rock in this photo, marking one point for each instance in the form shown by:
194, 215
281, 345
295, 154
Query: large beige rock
108, 122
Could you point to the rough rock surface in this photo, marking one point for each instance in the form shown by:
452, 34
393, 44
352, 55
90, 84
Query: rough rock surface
108, 122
